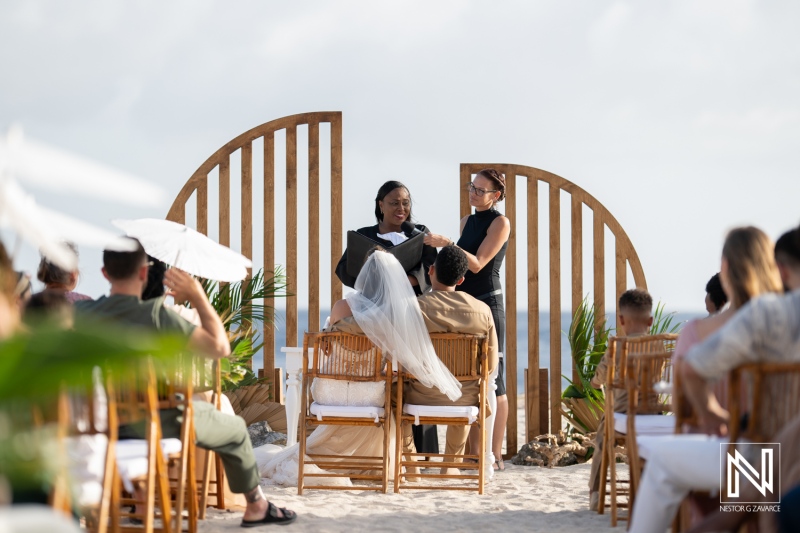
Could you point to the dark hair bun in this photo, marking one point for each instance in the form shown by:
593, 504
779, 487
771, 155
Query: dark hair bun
498, 179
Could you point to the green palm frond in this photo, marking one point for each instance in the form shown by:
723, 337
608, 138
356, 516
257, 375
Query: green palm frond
664, 322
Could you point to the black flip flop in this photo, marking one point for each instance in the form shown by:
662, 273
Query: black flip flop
271, 517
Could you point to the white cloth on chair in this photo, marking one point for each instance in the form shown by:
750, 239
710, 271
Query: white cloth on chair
469, 412
645, 424
348, 411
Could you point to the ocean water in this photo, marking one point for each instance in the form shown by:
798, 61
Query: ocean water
522, 341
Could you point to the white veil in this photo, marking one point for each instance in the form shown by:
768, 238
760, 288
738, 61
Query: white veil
386, 309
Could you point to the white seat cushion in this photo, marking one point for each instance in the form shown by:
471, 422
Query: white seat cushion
132, 458
646, 424
87, 455
346, 411
469, 412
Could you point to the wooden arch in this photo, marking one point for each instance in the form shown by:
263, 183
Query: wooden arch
625, 255
221, 161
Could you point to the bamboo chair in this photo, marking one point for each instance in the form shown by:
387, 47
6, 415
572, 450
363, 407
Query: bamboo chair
176, 393
137, 400
465, 356
645, 372
211, 460
620, 428
85, 417
342, 356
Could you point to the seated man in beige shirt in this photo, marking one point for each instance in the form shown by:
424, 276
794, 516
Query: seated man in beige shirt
444, 310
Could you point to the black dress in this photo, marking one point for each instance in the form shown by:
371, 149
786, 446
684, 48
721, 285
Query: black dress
426, 439
485, 284
419, 271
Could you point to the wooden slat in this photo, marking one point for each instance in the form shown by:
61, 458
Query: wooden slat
291, 235
599, 266
543, 403
555, 308
202, 207
533, 423
466, 178
577, 263
247, 201
313, 227
511, 315
336, 206
620, 271
225, 201
269, 247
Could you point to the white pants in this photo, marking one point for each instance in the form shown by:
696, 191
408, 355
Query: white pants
676, 465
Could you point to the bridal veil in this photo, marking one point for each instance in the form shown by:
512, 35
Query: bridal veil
386, 309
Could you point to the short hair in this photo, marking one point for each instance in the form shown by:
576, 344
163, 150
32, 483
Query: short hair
451, 265
47, 305
787, 248
50, 273
715, 292
123, 265
155, 279
636, 300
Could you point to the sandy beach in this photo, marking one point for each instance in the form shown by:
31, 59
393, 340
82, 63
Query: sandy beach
519, 499
522, 498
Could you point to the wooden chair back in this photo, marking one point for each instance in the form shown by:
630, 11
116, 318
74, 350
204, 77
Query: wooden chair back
649, 363
347, 357
772, 401
342, 356
465, 356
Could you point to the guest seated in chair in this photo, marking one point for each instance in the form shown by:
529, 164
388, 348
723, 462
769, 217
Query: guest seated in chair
634, 320
226, 435
765, 330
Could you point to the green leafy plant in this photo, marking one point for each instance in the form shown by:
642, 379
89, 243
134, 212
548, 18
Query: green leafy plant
588, 340
664, 322
241, 306
36, 365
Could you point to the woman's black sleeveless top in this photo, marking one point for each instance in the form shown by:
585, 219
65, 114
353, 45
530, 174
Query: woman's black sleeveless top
487, 280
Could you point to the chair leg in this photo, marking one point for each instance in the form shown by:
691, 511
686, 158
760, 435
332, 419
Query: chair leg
612, 468
387, 426
191, 493
220, 482
207, 462
301, 457
603, 475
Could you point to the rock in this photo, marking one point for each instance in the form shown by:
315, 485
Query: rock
555, 450
261, 434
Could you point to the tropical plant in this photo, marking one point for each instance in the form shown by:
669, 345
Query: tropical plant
241, 307
36, 365
588, 340
664, 322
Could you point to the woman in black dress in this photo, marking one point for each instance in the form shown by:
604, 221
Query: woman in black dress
484, 237
393, 213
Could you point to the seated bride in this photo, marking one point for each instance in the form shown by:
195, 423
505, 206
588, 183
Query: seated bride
385, 309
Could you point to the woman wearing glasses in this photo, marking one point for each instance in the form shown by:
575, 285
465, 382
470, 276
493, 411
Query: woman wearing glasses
484, 237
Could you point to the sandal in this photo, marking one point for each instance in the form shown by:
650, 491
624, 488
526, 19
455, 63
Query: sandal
271, 517
499, 465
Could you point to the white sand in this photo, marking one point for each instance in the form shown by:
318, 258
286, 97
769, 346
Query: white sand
519, 499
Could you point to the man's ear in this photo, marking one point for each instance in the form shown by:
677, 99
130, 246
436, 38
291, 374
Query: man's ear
143, 273
460, 280
621, 320
650, 322
431, 270
105, 274
784, 272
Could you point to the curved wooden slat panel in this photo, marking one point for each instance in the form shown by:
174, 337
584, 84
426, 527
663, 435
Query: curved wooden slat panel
220, 161
625, 256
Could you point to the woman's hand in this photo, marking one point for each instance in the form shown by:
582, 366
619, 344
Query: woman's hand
413, 281
439, 241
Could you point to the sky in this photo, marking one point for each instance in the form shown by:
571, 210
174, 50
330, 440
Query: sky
681, 117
